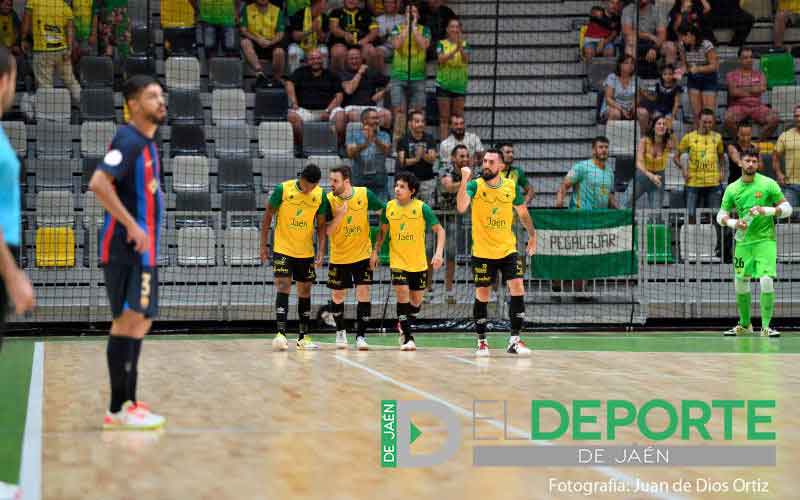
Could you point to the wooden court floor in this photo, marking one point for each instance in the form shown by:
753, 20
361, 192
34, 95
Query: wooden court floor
248, 423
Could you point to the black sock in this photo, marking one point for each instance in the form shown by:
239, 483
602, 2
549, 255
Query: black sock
338, 315
304, 313
133, 373
363, 310
403, 319
118, 354
413, 311
479, 314
516, 312
281, 310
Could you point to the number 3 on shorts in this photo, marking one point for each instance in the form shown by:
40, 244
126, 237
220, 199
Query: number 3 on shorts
144, 296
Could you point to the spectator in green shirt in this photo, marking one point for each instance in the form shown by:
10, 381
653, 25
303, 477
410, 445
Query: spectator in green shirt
218, 20
451, 75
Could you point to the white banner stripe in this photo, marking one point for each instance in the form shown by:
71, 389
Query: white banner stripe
579, 242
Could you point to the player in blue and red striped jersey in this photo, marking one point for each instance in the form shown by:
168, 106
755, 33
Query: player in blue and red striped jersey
127, 184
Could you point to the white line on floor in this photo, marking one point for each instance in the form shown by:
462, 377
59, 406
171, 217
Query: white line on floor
30, 474
608, 471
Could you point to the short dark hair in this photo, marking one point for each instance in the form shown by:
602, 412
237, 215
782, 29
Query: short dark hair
495, 151
746, 123
501, 145
7, 61
417, 112
743, 49
344, 170
600, 139
595, 8
410, 179
620, 61
456, 148
311, 173
707, 112
751, 152
134, 85
366, 113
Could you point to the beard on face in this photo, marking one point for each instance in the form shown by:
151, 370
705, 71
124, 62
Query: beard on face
488, 174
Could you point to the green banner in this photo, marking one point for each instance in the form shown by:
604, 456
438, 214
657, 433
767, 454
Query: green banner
388, 433
584, 244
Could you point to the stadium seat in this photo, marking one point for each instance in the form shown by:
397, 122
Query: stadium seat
235, 175
192, 202
139, 65
275, 138
55, 247
778, 68
141, 43
698, 243
276, 169
621, 136
180, 41
232, 140
239, 201
96, 138
53, 140
185, 107
242, 246
52, 104
624, 168
190, 174
319, 139
54, 175
196, 246
788, 239
187, 140
225, 73
54, 208
766, 166
88, 166
97, 105
598, 71
96, 72
228, 105
271, 105
182, 73
725, 67
659, 244
93, 212
17, 134
677, 200
783, 101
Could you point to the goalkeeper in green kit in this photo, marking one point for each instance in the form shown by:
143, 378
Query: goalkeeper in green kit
758, 201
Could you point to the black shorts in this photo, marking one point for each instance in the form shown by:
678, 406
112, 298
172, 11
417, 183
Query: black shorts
344, 276
446, 94
299, 269
413, 280
265, 54
484, 271
132, 286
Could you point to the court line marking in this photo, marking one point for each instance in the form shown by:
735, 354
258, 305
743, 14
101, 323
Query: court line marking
607, 471
30, 473
463, 360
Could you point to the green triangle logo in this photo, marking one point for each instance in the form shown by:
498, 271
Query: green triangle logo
494, 210
402, 226
299, 211
415, 433
349, 219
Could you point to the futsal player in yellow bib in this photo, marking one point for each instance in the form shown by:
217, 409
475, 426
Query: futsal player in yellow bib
295, 204
494, 200
350, 248
406, 219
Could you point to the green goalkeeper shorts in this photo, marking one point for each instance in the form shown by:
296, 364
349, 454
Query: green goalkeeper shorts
754, 260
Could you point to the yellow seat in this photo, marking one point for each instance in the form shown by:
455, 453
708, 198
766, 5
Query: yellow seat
55, 247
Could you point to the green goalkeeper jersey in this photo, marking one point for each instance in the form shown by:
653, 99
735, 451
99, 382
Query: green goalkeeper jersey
742, 196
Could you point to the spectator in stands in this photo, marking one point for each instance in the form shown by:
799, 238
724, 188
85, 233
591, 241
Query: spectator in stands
85, 40
368, 147
376, 7
436, 16
113, 28
602, 30
313, 92
788, 12
665, 98
788, 149
218, 20
449, 182
177, 16
459, 135
592, 185
451, 75
729, 14
363, 88
352, 27
10, 25
262, 28
620, 94
651, 164
386, 24
689, 13
416, 152
742, 142
514, 173
745, 88
51, 26
308, 31
408, 73
702, 172
651, 38
700, 61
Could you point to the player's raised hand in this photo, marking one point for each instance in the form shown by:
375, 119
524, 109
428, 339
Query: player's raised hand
436, 262
466, 173
530, 249
138, 237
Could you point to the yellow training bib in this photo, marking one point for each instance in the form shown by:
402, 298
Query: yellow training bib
406, 236
294, 223
492, 220
351, 243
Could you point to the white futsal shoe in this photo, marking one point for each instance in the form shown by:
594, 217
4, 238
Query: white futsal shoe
516, 346
133, 417
341, 339
769, 332
9, 492
361, 344
483, 348
738, 330
409, 346
279, 343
